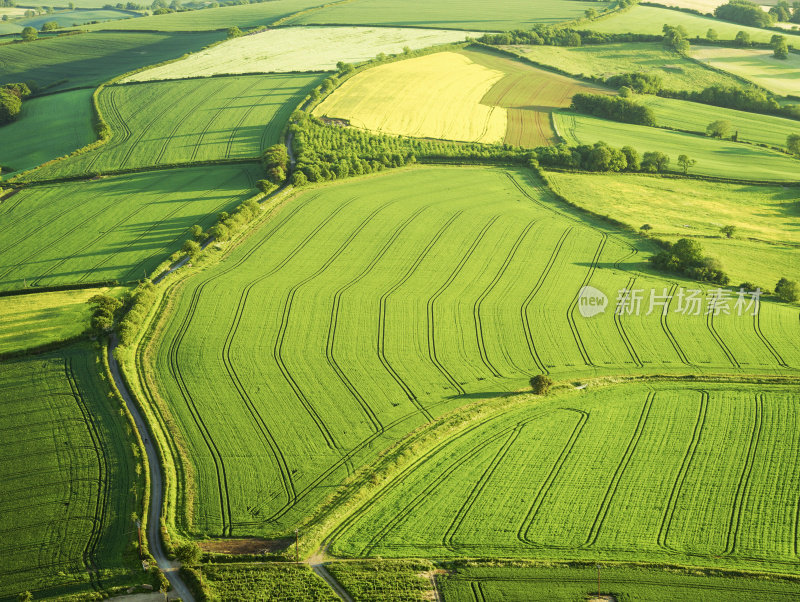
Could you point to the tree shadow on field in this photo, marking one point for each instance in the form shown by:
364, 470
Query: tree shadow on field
488, 394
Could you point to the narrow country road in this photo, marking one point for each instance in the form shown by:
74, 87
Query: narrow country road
319, 568
169, 567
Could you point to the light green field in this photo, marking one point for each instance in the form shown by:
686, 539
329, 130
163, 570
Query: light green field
757, 65
714, 157
364, 309
264, 581
649, 20
69, 18
515, 583
300, 49
450, 14
86, 60
385, 580
693, 116
536, 475
36, 319
676, 72
49, 127
163, 123
69, 479
117, 228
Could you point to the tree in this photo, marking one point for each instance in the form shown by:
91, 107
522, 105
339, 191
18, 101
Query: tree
590, 13
197, 232
728, 231
793, 143
711, 34
188, 552
787, 290
632, 160
50, 26
190, 248
234, 32
718, 129
25, 597
10, 106
779, 48
655, 162
541, 384
675, 39
685, 163
645, 228
29, 34
742, 38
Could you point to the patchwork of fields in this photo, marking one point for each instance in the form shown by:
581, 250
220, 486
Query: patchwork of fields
385, 308
66, 466
757, 65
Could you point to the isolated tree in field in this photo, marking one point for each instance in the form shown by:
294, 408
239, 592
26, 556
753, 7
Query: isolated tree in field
711, 34
645, 228
728, 231
787, 290
29, 34
742, 38
540, 384
5, 17
50, 26
718, 129
779, 48
655, 162
234, 32
685, 163
793, 143
590, 13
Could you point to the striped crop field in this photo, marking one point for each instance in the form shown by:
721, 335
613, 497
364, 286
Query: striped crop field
757, 65
209, 119
364, 309
472, 95
573, 477
264, 581
69, 479
117, 228
714, 157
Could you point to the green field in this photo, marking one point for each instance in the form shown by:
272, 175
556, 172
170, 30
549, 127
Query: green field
69, 18
68, 474
757, 65
449, 14
720, 158
364, 309
649, 20
86, 60
385, 580
117, 228
49, 127
264, 581
515, 583
164, 123
534, 473
676, 72
36, 319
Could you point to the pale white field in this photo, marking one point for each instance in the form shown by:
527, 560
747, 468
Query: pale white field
301, 49
759, 66
705, 6
433, 96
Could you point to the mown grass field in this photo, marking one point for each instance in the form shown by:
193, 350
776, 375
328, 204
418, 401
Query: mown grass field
163, 123
49, 127
117, 228
714, 157
365, 308
264, 581
68, 470
300, 49
450, 14
38, 319
757, 65
88, 59
472, 95
572, 477
676, 72
514, 583
650, 20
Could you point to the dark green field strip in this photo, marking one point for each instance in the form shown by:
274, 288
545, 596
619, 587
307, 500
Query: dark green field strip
88, 59
67, 473
363, 309
118, 228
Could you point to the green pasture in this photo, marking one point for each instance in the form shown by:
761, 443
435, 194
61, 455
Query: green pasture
758, 65
69, 18
88, 59
117, 228
49, 127
721, 158
70, 479
364, 309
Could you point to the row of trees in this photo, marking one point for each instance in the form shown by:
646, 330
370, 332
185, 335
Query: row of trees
604, 158
11, 96
544, 35
616, 108
745, 12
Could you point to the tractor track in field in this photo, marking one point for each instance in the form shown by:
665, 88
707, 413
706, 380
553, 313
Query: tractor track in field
663, 318
720, 341
770, 347
574, 304
621, 328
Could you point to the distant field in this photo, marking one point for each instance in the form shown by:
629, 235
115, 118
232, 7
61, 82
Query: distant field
706, 6
470, 95
699, 209
68, 18
536, 475
677, 72
264, 581
365, 308
514, 583
300, 49
503, 15
759, 66
67, 471
49, 127
116, 228
648, 19
751, 127
191, 120
714, 157
86, 60
36, 319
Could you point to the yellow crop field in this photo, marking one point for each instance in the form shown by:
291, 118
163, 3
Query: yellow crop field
757, 65
434, 96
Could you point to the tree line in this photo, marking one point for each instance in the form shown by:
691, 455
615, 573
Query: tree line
11, 96
616, 108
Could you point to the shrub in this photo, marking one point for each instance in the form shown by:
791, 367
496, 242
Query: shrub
643, 83
540, 384
718, 129
29, 34
655, 161
793, 143
686, 257
190, 248
787, 290
613, 107
728, 231
188, 552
